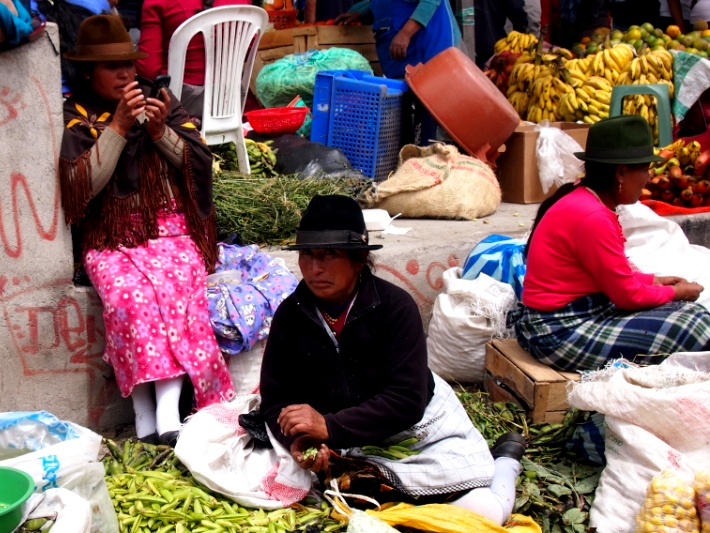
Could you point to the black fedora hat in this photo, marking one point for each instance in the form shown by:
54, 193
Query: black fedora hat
332, 221
620, 140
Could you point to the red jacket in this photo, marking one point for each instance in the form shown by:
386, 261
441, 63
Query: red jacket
159, 21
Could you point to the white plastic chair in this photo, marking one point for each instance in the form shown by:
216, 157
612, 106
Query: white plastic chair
231, 35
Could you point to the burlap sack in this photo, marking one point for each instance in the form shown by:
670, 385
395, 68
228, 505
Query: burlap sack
437, 182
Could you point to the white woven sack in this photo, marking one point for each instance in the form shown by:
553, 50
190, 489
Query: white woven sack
245, 370
220, 454
656, 418
465, 317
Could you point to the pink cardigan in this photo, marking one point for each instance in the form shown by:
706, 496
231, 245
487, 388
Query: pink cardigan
159, 21
578, 250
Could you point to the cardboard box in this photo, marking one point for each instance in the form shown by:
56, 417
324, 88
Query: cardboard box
513, 375
517, 166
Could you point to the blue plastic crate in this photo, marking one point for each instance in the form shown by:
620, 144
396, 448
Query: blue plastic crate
361, 115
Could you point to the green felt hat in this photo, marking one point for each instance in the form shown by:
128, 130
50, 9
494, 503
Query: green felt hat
621, 140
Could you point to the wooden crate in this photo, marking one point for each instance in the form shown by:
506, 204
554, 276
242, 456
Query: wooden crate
512, 374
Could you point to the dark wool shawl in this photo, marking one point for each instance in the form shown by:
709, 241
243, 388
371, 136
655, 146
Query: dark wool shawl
125, 212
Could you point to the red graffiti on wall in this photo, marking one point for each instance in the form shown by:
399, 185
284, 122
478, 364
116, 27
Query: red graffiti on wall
44, 334
10, 105
432, 272
19, 183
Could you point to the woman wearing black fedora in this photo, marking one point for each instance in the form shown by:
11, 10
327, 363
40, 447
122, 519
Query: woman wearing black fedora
345, 367
583, 304
136, 177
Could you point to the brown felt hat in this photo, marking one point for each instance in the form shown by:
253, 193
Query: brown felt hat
104, 38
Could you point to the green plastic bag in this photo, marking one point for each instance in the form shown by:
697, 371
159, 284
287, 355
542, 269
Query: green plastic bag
281, 81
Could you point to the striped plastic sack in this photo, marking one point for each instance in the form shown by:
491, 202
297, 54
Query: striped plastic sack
500, 257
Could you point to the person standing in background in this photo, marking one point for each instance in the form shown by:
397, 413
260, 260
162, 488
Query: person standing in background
159, 20
675, 12
491, 16
700, 11
323, 10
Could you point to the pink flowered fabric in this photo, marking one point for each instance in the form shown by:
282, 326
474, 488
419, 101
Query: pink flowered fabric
155, 313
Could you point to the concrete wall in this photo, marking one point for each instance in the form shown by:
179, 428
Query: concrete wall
51, 334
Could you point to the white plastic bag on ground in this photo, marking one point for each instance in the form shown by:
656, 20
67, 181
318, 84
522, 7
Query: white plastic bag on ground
657, 245
58, 454
556, 162
221, 455
465, 317
245, 369
70, 512
656, 418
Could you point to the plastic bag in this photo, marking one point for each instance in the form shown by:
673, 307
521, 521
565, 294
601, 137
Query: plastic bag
308, 159
556, 162
444, 518
655, 418
501, 257
278, 83
58, 454
465, 317
669, 506
221, 455
69, 512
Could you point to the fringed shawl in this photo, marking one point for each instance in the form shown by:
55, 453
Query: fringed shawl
125, 212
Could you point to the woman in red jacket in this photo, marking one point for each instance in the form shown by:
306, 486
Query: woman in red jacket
582, 303
159, 21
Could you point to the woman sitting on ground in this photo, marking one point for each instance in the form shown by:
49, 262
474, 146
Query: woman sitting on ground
583, 304
345, 366
136, 176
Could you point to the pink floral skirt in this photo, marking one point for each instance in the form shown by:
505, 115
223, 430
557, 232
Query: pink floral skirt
155, 313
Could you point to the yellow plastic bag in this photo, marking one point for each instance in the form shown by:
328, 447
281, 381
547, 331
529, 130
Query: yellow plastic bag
443, 518
669, 506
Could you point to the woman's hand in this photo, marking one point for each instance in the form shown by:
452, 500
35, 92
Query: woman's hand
667, 280
315, 464
302, 418
400, 43
686, 291
348, 18
157, 112
131, 104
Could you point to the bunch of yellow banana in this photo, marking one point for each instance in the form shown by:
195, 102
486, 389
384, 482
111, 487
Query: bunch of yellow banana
524, 75
520, 101
588, 103
547, 92
644, 105
610, 62
515, 42
651, 68
580, 69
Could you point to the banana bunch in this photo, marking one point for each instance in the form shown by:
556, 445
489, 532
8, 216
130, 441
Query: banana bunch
651, 68
644, 105
611, 62
579, 70
515, 42
401, 450
520, 84
589, 102
546, 95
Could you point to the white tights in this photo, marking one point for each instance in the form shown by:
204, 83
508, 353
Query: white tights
164, 418
494, 502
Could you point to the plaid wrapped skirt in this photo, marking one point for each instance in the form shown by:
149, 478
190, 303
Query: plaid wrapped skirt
588, 332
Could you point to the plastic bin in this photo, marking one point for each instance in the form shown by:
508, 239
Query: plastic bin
361, 115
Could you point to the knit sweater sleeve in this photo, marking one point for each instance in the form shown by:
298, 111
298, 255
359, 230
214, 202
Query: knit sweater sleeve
425, 11
402, 402
600, 248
